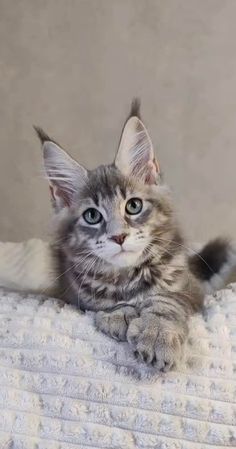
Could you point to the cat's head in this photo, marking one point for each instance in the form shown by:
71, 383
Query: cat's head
115, 212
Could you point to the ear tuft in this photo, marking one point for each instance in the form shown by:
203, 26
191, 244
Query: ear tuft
135, 108
43, 137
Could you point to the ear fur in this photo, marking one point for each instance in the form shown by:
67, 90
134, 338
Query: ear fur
64, 174
135, 156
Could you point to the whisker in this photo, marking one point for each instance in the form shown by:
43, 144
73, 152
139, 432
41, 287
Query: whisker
78, 275
187, 248
90, 266
70, 268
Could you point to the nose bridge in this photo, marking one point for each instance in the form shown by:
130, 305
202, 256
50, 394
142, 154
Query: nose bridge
116, 225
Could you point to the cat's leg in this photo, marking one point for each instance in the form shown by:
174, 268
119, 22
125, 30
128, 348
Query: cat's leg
115, 323
158, 334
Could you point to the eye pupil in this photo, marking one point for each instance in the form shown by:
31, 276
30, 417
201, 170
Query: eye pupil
134, 206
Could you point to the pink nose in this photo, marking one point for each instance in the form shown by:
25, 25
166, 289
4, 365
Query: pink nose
119, 239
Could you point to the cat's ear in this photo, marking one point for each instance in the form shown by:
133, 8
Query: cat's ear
135, 156
64, 174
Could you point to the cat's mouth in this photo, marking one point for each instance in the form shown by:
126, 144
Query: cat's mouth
122, 255
124, 251
125, 257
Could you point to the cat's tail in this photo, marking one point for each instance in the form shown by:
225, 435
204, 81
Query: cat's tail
28, 266
214, 264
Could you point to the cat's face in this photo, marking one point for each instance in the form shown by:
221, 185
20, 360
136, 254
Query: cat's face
117, 225
115, 218
112, 213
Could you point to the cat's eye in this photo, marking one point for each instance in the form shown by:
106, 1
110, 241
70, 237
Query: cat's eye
134, 206
92, 216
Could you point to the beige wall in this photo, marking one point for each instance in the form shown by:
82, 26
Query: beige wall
73, 66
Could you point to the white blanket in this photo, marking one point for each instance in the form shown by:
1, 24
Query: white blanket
63, 385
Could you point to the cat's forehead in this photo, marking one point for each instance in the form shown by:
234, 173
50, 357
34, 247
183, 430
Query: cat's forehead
106, 183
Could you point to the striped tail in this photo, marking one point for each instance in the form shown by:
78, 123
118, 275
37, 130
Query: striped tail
214, 264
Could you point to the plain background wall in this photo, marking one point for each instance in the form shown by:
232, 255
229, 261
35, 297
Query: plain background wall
73, 67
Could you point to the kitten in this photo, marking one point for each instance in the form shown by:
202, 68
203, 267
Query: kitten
120, 251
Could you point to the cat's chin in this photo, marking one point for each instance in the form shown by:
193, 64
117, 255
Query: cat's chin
125, 259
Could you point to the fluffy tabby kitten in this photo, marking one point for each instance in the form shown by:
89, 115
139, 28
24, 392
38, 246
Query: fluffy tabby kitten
119, 249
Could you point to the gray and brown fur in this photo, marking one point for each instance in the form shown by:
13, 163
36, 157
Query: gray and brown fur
146, 292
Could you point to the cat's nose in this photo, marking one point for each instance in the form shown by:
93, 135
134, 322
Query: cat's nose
119, 238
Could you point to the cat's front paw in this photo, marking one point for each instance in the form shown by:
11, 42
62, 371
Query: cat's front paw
156, 342
115, 324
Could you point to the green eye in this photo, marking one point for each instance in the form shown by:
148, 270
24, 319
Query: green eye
134, 206
92, 216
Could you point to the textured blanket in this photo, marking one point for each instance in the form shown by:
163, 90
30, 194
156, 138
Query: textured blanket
63, 385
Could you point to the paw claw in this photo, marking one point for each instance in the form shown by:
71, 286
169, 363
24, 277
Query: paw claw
114, 324
145, 356
154, 361
154, 344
